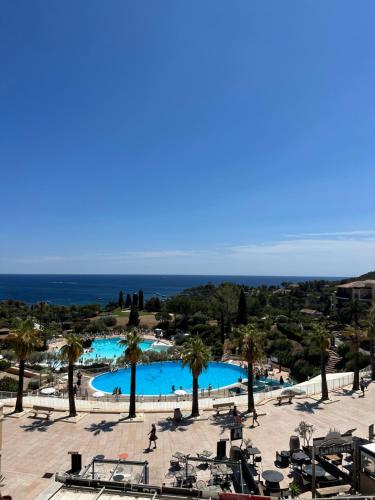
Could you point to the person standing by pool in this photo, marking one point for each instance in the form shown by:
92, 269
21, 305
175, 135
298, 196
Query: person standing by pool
152, 436
255, 417
362, 386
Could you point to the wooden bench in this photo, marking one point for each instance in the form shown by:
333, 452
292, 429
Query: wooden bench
282, 398
222, 406
46, 410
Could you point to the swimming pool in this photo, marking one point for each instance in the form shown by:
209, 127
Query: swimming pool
110, 348
158, 378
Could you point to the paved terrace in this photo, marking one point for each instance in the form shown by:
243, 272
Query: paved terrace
33, 447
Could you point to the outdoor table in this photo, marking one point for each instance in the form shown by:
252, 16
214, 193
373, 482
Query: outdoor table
335, 459
252, 451
319, 471
123, 456
179, 456
118, 477
272, 476
299, 457
332, 457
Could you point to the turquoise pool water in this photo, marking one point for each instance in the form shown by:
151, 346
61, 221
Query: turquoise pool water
110, 348
158, 378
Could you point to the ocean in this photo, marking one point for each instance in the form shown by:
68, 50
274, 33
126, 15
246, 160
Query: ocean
64, 289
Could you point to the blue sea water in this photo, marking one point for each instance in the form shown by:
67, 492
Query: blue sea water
68, 289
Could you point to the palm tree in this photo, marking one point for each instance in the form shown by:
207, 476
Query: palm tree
132, 354
352, 311
355, 335
196, 355
371, 338
24, 339
70, 352
252, 350
321, 335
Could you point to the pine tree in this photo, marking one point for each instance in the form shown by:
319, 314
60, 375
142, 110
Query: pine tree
133, 316
128, 301
242, 309
135, 299
121, 299
141, 303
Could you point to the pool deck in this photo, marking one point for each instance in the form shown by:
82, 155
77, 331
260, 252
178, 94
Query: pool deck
32, 447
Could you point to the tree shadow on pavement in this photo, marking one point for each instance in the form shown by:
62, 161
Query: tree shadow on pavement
102, 426
37, 425
308, 407
173, 426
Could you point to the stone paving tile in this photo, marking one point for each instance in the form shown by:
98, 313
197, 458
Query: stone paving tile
32, 447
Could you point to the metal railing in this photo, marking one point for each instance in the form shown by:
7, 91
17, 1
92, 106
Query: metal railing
165, 401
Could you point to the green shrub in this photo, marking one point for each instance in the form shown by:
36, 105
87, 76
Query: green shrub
86, 343
4, 365
8, 384
33, 385
109, 321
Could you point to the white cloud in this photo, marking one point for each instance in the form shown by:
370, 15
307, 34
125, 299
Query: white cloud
363, 232
308, 256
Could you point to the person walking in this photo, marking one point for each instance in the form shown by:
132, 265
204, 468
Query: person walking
363, 386
152, 436
255, 417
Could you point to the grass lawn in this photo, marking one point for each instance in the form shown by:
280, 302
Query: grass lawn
125, 314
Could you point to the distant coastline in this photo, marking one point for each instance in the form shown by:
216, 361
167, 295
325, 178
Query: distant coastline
68, 289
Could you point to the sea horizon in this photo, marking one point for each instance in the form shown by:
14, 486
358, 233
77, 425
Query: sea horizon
69, 289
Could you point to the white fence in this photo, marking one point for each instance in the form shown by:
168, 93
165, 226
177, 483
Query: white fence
164, 403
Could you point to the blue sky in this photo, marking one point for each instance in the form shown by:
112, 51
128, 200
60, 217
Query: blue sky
215, 137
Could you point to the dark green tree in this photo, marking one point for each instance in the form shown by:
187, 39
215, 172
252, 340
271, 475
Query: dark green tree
141, 300
135, 300
121, 299
153, 304
128, 301
133, 316
242, 309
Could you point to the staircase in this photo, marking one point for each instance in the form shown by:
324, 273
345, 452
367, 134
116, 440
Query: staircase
332, 361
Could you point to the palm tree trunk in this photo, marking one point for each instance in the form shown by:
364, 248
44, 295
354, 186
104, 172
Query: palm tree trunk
72, 402
21, 374
195, 407
356, 372
372, 357
250, 393
132, 413
323, 375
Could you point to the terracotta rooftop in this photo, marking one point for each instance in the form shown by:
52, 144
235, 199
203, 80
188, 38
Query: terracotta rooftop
358, 284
